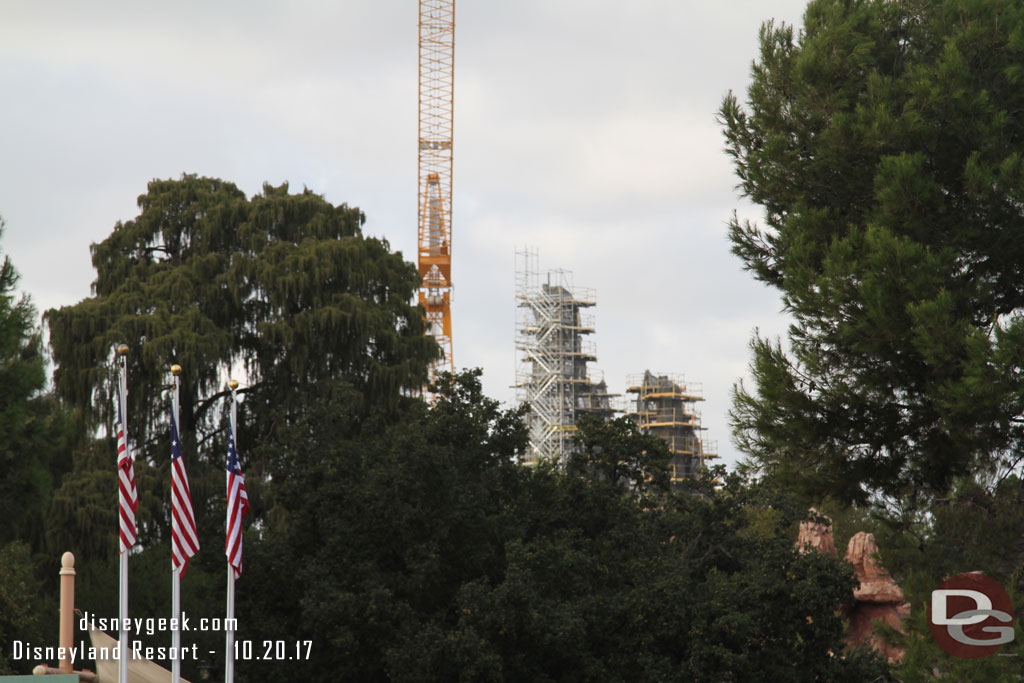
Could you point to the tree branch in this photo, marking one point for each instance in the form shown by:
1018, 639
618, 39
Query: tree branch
208, 402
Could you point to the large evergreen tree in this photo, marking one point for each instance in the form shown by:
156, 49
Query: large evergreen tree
35, 439
284, 285
884, 142
284, 292
34, 432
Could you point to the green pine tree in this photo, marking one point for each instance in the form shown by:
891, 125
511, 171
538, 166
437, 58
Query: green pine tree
36, 437
884, 142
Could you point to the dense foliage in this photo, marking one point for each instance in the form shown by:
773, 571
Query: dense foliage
33, 431
422, 551
403, 540
20, 604
35, 436
884, 142
282, 285
974, 528
282, 290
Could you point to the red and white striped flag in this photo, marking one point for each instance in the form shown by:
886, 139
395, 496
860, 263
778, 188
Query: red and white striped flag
238, 505
184, 539
129, 497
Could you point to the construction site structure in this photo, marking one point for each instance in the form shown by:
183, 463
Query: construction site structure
666, 407
436, 92
553, 346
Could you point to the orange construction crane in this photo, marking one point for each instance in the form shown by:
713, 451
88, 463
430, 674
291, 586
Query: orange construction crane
437, 55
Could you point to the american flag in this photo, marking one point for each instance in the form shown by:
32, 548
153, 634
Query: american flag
184, 540
129, 497
238, 506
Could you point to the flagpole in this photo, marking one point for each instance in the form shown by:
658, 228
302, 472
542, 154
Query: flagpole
175, 571
229, 655
122, 663
229, 663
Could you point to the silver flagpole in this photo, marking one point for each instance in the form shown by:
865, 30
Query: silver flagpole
229, 655
122, 663
175, 571
229, 663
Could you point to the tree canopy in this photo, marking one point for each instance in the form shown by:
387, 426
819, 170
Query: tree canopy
282, 285
421, 550
404, 541
34, 432
35, 436
282, 291
884, 143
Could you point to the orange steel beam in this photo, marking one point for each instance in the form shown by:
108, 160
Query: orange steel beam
437, 75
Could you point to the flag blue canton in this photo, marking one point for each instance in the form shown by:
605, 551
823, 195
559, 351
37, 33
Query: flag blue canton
175, 441
233, 466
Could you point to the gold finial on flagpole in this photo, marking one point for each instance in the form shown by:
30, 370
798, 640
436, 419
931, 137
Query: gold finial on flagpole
122, 350
233, 384
175, 369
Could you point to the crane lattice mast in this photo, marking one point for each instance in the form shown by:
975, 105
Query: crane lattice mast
436, 60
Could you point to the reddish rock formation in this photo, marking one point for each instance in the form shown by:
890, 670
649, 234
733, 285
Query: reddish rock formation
875, 583
878, 598
816, 536
864, 615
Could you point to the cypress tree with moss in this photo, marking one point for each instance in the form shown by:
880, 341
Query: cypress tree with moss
283, 285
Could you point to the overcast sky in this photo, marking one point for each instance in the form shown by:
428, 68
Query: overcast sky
584, 129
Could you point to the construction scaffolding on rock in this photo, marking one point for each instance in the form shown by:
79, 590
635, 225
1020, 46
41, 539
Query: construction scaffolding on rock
666, 407
553, 349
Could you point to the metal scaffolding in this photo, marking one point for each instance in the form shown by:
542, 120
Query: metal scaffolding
552, 374
666, 407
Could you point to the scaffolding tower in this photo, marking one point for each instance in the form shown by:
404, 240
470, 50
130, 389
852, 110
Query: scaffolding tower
553, 348
666, 407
